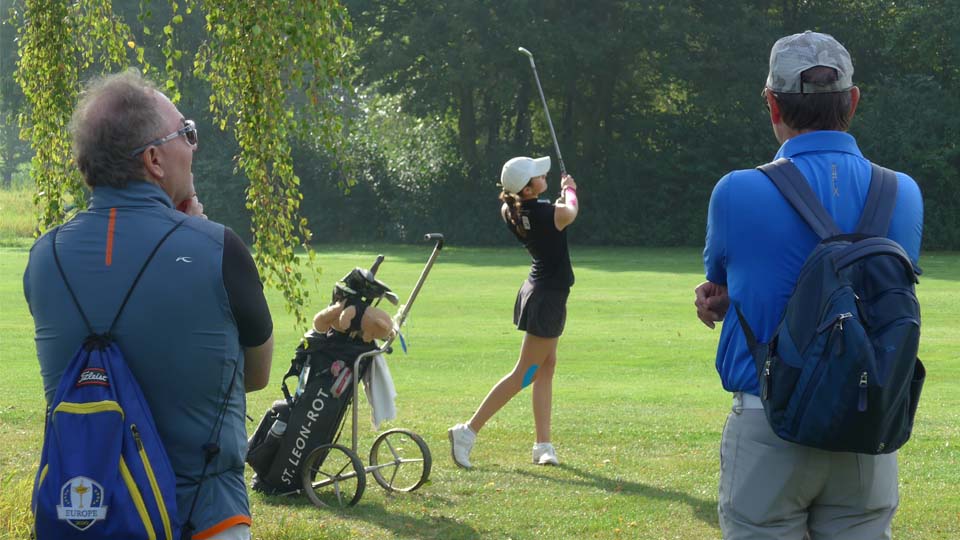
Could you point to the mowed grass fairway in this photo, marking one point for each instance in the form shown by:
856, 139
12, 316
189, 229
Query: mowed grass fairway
638, 407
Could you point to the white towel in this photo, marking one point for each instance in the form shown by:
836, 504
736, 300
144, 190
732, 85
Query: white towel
378, 386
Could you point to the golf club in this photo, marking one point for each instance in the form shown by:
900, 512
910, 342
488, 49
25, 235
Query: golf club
556, 146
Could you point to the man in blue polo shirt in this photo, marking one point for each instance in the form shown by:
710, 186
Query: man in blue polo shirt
755, 245
196, 331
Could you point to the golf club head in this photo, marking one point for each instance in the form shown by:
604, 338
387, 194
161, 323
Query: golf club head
392, 297
361, 284
527, 53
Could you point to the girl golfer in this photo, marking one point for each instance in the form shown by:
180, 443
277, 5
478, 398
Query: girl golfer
541, 305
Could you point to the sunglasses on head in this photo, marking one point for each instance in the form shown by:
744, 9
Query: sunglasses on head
189, 131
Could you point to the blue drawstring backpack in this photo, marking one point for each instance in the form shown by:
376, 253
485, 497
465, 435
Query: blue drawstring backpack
104, 473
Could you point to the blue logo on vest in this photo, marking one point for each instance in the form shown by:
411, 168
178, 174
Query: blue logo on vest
81, 503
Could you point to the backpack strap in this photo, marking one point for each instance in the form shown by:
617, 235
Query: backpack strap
210, 450
63, 276
73, 296
797, 191
747, 331
881, 198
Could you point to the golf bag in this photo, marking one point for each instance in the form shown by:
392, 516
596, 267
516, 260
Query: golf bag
311, 417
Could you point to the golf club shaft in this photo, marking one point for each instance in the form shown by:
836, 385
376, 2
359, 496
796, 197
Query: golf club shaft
553, 134
400, 318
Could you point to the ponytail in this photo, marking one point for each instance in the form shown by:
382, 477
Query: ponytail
513, 212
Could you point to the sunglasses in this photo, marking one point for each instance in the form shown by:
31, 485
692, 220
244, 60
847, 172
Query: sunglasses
189, 131
763, 95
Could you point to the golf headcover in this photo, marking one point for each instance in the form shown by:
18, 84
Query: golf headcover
330, 316
355, 318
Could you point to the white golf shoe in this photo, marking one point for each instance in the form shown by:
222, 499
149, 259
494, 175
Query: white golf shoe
461, 442
544, 454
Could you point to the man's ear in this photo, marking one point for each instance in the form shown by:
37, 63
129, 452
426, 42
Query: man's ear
854, 100
151, 164
773, 106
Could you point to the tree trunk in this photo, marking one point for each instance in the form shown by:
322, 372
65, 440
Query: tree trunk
467, 126
521, 125
10, 147
597, 130
790, 9
492, 111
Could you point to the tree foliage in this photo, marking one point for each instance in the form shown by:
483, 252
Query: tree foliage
274, 75
652, 102
57, 41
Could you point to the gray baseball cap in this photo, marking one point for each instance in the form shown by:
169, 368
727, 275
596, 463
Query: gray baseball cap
792, 55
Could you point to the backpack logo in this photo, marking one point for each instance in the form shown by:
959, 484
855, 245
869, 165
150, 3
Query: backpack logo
97, 376
184, 259
81, 503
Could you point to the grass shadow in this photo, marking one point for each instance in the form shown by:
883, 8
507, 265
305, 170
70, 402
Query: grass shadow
608, 259
405, 525
705, 511
402, 524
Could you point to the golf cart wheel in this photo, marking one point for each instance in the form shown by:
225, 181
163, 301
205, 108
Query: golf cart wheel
333, 477
400, 460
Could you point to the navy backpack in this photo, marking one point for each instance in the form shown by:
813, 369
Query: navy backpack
104, 473
841, 372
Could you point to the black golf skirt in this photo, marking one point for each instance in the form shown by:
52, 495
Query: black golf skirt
540, 311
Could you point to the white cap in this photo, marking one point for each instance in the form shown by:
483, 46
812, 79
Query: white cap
517, 172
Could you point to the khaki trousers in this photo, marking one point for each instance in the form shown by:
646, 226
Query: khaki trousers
771, 489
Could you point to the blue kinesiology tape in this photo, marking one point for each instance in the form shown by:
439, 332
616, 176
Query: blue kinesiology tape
528, 376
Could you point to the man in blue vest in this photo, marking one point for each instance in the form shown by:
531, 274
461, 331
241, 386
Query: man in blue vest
197, 323
755, 245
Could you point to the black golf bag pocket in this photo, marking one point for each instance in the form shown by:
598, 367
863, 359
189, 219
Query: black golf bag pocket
263, 445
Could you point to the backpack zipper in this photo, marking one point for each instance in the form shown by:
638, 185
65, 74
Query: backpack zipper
765, 394
137, 498
154, 486
837, 325
836, 322
862, 401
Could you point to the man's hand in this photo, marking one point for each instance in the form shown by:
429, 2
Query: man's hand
712, 302
192, 207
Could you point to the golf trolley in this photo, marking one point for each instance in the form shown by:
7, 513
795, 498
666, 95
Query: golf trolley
295, 447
